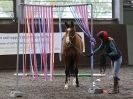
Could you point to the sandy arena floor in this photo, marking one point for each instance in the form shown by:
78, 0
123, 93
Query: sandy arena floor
41, 89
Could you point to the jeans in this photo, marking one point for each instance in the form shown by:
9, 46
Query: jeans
117, 65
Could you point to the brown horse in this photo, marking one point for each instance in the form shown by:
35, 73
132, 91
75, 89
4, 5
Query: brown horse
72, 47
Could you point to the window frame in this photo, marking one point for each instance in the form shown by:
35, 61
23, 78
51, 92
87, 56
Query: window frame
13, 10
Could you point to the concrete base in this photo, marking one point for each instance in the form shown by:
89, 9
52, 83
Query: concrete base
95, 90
98, 91
15, 94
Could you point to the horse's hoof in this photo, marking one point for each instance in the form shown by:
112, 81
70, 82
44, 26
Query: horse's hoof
77, 85
69, 81
74, 82
66, 86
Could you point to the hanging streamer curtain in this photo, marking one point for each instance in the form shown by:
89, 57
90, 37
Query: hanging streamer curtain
29, 15
38, 19
26, 34
80, 14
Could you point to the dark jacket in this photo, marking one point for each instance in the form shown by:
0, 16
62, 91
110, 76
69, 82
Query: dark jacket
110, 48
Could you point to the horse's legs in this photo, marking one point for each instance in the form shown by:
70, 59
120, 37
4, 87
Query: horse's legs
76, 74
66, 80
104, 68
75, 80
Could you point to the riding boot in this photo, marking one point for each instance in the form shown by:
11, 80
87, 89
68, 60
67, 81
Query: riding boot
116, 86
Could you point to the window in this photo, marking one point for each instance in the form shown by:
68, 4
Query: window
101, 8
6, 9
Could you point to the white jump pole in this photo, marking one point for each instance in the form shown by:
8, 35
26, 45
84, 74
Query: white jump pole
93, 88
62, 74
92, 64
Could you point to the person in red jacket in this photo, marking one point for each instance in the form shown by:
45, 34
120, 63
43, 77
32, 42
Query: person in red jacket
113, 52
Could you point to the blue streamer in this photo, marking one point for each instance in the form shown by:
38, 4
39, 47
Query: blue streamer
44, 45
40, 32
23, 57
23, 50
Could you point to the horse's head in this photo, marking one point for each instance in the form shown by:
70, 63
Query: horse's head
70, 32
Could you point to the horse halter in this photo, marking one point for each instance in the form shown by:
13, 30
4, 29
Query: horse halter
68, 41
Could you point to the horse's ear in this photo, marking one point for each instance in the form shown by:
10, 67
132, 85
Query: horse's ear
72, 24
66, 24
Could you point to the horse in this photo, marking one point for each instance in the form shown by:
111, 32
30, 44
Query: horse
72, 47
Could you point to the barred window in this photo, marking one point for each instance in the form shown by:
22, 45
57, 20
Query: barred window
6, 9
101, 8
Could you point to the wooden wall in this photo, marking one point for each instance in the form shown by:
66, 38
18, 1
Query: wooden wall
117, 31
